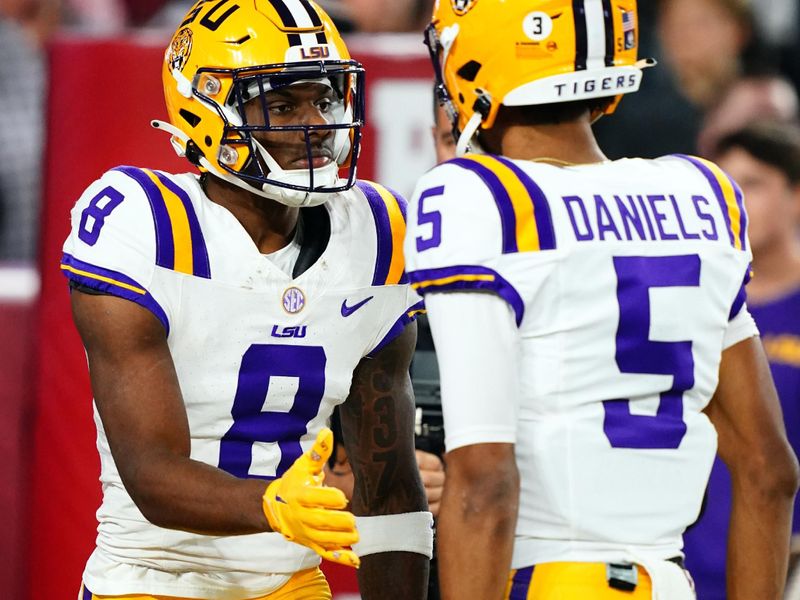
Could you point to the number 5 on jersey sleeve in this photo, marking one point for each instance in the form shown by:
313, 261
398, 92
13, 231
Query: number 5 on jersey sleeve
433, 217
636, 353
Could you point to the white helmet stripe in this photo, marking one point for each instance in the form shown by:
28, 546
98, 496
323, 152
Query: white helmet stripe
302, 18
596, 34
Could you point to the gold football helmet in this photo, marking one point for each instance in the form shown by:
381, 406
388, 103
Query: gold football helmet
488, 53
227, 53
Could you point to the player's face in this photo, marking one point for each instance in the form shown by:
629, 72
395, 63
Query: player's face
443, 137
299, 104
773, 204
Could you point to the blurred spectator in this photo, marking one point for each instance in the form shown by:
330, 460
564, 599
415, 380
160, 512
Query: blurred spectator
714, 68
663, 121
370, 16
764, 159
24, 24
748, 99
705, 43
778, 20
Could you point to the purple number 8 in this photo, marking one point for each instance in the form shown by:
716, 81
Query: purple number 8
433, 217
253, 424
98, 214
636, 353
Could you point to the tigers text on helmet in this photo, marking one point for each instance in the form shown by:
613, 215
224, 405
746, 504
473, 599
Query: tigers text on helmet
527, 52
227, 53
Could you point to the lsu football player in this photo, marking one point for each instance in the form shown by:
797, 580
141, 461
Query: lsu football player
225, 315
590, 323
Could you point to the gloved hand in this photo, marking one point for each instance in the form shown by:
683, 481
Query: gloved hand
304, 511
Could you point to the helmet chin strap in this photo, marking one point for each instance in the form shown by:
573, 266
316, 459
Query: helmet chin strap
466, 143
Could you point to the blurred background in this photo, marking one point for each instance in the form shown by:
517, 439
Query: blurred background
79, 83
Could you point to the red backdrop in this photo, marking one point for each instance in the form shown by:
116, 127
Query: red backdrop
102, 96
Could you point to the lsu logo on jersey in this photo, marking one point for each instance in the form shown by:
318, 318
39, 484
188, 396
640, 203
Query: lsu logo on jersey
462, 7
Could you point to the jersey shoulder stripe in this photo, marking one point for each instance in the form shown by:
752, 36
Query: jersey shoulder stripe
526, 222
389, 212
471, 278
112, 282
395, 330
180, 245
729, 196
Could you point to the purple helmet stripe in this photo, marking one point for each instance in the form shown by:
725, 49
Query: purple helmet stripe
113, 283
541, 208
459, 278
165, 247
200, 260
581, 35
608, 15
288, 20
508, 219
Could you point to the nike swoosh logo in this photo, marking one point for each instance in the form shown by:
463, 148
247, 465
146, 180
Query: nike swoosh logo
349, 310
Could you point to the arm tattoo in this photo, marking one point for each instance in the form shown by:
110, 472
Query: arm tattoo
378, 427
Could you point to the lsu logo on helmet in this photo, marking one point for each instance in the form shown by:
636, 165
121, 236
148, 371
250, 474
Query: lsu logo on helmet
462, 7
180, 49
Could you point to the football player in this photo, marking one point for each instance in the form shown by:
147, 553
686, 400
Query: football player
590, 323
225, 315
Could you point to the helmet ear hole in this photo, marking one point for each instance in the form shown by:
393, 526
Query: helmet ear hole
469, 71
191, 118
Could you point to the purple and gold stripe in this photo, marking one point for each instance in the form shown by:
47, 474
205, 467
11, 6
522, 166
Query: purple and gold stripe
729, 196
180, 245
519, 583
389, 211
113, 283
470, 278
200, 264
407, 317
525, 219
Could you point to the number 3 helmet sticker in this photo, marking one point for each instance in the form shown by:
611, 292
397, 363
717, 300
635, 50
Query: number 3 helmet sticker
537, 26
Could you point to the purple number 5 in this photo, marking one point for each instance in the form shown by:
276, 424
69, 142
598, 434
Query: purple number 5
636, 353
433, 217
253, 424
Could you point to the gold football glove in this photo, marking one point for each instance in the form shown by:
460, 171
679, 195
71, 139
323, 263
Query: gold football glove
304, 511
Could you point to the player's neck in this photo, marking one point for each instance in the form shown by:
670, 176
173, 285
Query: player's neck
565, 143
270, 224
776, 270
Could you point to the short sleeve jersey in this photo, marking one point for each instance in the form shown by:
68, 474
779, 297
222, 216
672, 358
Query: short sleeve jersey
626, 281
262, 358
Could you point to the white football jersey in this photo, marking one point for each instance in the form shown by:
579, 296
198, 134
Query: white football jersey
626, 280
262, 358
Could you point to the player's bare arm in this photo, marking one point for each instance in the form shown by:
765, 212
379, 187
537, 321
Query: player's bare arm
139, 400
764, 472
478, 518
378, 427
